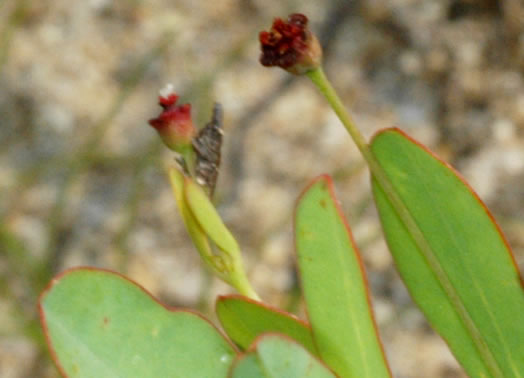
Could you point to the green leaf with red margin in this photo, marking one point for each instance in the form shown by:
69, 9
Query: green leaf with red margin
454, 226
273, 355
244, 320
100, 324
335, 287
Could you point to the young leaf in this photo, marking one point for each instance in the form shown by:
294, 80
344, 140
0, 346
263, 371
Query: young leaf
335, 288
100, 324
453, 258
275, 356
244, 320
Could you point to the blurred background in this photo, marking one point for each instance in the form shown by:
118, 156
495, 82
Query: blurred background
82, 178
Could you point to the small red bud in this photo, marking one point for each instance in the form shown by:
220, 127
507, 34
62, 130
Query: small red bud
290, 45
174, 124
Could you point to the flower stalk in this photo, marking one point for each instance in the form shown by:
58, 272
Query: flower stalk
320, 80
285, 46
193, 185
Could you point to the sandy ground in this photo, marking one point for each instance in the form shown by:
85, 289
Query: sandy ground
82, 174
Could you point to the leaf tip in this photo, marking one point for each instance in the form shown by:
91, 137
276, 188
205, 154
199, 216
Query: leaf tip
393, 129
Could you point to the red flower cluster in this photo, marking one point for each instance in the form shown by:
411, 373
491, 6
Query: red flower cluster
290, 45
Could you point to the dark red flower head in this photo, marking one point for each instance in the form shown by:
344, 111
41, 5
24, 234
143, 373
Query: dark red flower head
174, 124
290, 45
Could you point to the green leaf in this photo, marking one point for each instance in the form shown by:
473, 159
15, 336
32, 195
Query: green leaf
100, 324
453, 258
335, 287
208, 218
244, 320
248, 366
274, 356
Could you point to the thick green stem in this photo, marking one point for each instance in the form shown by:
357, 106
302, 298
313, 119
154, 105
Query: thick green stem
189, 158
240, 282
233, 274
318, 77
232, 271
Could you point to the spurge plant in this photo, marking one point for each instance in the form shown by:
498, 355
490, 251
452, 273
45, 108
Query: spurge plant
452, 256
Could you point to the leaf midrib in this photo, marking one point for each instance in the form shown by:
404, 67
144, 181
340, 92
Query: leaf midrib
472, 277
431, 259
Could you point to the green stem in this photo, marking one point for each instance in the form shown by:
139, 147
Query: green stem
188, 156
231, 271
240, 282
318, 77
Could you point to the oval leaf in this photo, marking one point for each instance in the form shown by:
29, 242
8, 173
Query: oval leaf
479, 309
100, 324
334, 285
208, 218
244, 320
275, 356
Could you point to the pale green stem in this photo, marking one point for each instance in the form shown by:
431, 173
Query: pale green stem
188, 156
232, 272
240, 282
318, 77
230, 269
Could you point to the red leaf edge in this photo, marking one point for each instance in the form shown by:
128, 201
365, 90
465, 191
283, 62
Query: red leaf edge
252, 348
331, 189
466, 184
289, 315
61, 275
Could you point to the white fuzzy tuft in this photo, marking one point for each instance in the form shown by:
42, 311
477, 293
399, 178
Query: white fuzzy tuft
168, 89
